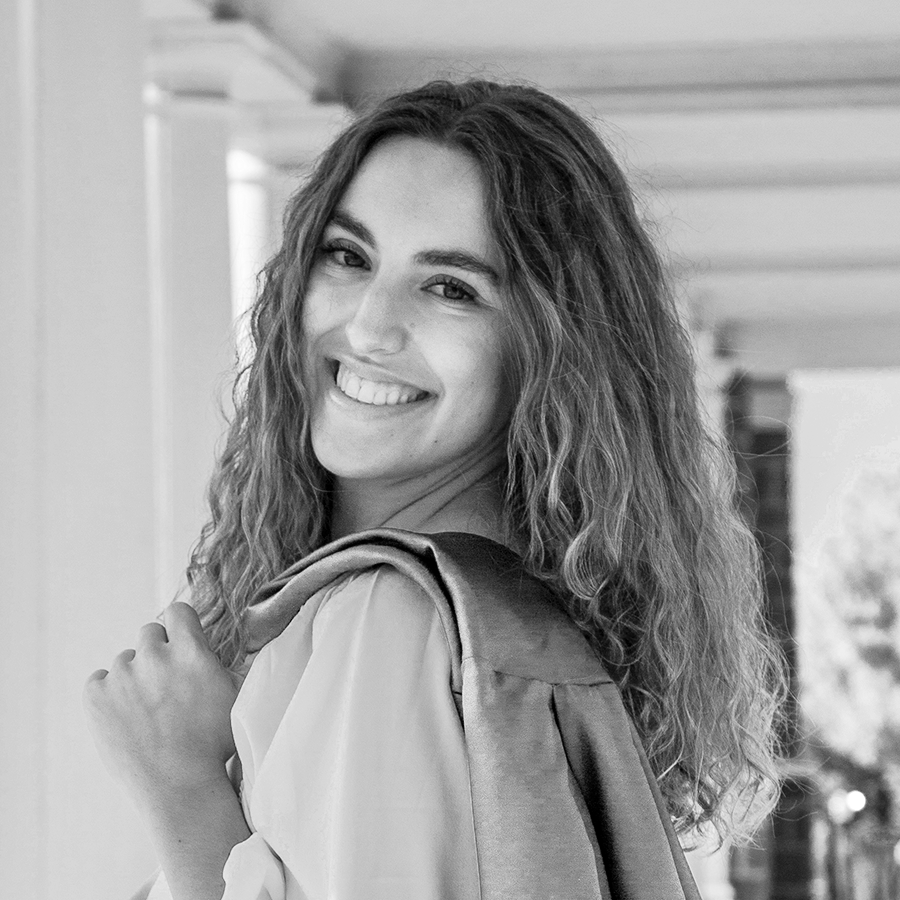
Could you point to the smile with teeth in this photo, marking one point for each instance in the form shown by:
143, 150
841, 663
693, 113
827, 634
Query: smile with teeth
376, 393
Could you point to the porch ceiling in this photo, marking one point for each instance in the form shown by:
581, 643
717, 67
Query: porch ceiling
765, 137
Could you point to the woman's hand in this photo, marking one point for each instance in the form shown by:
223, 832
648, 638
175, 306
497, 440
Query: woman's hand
161, 715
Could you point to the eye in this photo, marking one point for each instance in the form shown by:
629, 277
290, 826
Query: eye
344, 254
452, 289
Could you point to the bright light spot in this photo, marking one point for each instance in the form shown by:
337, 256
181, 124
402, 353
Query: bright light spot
837, 807
897, 853
856, 801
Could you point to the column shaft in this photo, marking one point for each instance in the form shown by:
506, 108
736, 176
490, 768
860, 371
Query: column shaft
187, 143
76, 537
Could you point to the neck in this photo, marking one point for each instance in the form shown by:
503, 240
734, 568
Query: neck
468, 499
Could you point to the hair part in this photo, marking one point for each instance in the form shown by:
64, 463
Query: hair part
618, 494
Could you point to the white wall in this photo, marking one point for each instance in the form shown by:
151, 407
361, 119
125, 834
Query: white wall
843, 422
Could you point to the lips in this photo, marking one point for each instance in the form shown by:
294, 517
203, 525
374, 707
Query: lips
374, 393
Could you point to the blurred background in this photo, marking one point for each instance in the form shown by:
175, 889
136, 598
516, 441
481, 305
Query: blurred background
146, 152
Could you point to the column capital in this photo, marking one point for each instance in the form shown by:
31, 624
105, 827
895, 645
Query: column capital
227, 59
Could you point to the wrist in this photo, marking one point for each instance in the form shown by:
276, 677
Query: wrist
193, 830
160, 794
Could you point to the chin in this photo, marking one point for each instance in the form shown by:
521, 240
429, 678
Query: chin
356, 467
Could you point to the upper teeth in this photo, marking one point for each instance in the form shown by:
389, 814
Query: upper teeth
378, 393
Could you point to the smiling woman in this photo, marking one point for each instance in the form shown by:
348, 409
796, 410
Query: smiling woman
479, 616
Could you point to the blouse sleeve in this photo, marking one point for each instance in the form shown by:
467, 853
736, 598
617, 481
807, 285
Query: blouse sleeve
252, 872
358, 767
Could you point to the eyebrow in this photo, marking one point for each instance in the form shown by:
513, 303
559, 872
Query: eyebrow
350, 223
459, 259
455, 259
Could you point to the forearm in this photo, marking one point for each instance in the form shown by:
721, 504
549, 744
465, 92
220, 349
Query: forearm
193, 833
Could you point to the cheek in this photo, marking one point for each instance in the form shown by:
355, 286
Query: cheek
320, 318
316, 308
484, 388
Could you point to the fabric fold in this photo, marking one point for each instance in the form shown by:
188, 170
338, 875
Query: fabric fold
532, 835
633, 828
253, 872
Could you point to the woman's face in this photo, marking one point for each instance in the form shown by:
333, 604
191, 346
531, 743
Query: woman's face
403, 320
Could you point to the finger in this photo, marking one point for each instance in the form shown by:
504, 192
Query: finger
125, 657
182, 619
151, 635
93, 689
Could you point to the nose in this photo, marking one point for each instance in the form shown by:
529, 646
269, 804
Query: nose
377, 323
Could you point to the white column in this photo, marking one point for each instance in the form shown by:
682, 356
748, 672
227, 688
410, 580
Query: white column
76, 534
714, 365
187, 147
281, 186
253, 239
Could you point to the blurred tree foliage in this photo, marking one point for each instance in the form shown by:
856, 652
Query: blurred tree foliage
853, 668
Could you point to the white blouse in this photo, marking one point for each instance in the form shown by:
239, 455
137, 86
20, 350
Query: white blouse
355, 775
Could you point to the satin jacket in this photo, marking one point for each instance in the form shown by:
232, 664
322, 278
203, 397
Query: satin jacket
565, 804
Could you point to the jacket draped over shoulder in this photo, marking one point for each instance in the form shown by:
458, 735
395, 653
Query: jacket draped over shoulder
564, 802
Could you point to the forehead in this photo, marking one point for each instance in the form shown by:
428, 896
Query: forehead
412, 188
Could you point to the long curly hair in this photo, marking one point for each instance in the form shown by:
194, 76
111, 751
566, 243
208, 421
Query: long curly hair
621, 498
